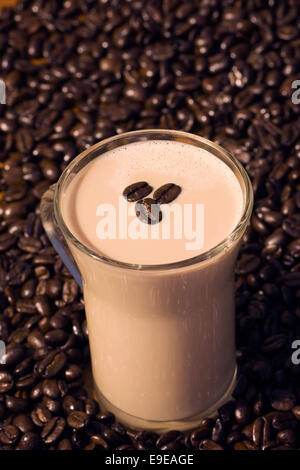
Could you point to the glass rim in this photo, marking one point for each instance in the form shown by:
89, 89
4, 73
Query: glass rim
156, 134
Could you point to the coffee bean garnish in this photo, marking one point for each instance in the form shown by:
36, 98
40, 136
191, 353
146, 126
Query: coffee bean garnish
148, 211
167, 193
136, 191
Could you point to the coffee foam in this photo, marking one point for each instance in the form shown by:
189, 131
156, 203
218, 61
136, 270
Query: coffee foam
203, 177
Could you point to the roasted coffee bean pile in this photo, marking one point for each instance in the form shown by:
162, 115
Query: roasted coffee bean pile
77, 71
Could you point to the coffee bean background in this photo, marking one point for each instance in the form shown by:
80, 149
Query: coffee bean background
79, 71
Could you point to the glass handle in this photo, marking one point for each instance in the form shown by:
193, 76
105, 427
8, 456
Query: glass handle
54, 233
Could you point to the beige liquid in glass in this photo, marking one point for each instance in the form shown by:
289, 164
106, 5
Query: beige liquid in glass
162, 341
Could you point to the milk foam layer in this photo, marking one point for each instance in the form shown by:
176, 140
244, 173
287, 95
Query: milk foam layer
204, 180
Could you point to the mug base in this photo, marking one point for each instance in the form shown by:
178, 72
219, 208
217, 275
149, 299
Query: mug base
184, 424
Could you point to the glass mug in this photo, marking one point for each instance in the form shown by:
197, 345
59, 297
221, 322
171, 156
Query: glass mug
154, 367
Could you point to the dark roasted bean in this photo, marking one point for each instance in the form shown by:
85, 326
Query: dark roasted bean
167, 438
248, 264
296, 411
6, 382
53, 430
166, 193
23, 422
70, 404
50, 388
208, 444
36, 339
54, 406
14, 354
242, 412
283, 400
28, 288
283, 420
148, 211
51, 365
9, 434
29, 441
78, 419
40, 415
136, 191
16, 404
218, 431
25, 382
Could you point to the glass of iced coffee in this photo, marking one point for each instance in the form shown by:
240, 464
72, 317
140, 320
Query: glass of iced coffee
153, 222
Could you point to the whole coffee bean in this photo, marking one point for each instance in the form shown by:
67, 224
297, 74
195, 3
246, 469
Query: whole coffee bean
25, 382
40, 415
56, 337
218, 431
91, 407
125, 447
36, 339
248, 264
25, 306
291, 226
53, 430
24, 140
16, 404
78, 419
54, 406
242, 411
6, 382
14, 354
287, 32
51, 365
136, 191
58, 321
70, 290
274, 343
208, 444
98, 440
257, 431
28, 288
9, 434
23, 422
29, 441
187, 82
167, 438
148, 211
283, 400
286, 436
167, 193
283, 420
296, 411
226, 413
50, 388
70, 404
73, 372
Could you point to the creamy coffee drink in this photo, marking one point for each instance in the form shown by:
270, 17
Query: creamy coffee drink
204, 180
161, 337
